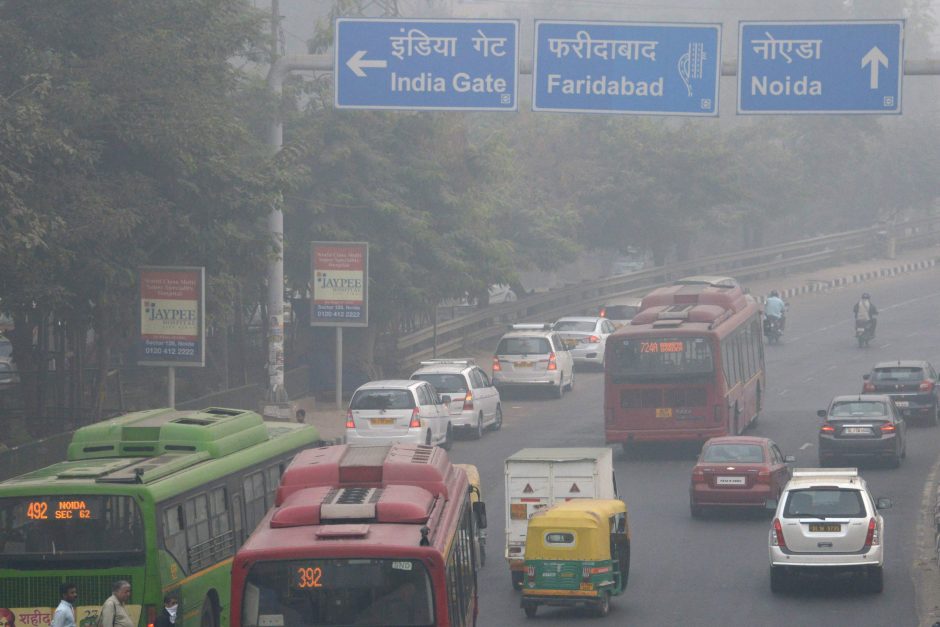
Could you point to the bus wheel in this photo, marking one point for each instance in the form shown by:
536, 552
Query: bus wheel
210, 614
530, 609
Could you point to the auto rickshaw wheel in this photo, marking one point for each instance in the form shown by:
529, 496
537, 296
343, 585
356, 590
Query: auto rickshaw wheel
517, 580
603, 606
530, 609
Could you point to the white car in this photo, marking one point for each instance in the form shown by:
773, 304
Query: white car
585, 338
827, 522
620, 310
533, 355
385, 412
474, 401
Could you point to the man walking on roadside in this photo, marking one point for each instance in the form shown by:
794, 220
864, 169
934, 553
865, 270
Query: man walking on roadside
65, 614
113, 613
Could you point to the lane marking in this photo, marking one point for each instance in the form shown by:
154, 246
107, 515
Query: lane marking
783, 392
885, 345
832, 367
806, 446
808, 379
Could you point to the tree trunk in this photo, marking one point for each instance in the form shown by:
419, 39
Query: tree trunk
26, 358
103, 343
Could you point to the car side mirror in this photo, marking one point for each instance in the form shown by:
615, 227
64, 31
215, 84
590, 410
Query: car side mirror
789, 459
479, 510
866, 376
445, 400
822, 413
770, 504
883, 503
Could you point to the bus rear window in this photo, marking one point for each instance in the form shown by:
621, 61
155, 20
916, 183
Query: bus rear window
661, 357
70, 527
332, 592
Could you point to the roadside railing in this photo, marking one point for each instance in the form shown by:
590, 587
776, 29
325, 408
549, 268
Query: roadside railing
490, 322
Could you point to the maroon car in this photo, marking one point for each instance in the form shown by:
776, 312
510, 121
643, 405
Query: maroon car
737, 471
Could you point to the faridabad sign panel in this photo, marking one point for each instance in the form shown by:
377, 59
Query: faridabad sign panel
339, 284
172, 316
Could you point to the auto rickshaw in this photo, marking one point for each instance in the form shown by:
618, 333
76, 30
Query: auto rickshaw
577, 553
479, 511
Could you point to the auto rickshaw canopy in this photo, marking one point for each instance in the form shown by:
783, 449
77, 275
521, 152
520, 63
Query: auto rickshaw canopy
575, 530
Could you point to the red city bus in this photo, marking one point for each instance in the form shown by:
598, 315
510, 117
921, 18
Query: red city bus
689, 366
372, 535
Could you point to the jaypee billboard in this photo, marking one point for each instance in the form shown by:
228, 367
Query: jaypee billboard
172, 316
339, 284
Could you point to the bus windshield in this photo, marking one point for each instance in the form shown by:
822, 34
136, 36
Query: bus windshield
90, 527
661, 357
332, 592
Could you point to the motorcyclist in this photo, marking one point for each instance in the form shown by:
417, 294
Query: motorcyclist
775, 308
865, 311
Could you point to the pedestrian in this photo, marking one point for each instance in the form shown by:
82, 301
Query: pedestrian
65, 614
167, 616
301, 415
113, 613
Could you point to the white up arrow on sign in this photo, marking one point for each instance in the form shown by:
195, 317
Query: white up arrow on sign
356, 63
874, 58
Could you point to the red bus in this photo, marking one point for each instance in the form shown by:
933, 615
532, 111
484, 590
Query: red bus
372, 535
689, 366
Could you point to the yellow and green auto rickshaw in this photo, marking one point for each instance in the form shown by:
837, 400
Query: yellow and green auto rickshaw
577, 553
479, 510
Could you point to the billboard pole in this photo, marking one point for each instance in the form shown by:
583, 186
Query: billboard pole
339, 367
171, 387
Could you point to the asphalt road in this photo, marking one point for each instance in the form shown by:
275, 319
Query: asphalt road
715, 571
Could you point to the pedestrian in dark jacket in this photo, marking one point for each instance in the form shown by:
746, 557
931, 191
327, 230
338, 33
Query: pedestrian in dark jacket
167, 616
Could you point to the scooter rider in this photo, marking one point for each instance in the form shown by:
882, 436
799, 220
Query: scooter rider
775, 308
865, 311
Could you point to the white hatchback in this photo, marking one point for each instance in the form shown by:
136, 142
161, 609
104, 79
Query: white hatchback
385, 412
827, 522
474, 402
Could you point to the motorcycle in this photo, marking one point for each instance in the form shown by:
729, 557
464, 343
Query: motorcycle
772, 329
864, 332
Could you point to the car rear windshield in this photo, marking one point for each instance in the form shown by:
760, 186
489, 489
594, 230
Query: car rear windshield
661, 357
523, 346
620, 312
825, 503
444, 383
575, 325
741, 453
333, 592
382, 399
898, 374
850, 409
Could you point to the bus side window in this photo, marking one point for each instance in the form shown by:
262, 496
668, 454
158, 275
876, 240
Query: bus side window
254, 499
174, 534
272, 479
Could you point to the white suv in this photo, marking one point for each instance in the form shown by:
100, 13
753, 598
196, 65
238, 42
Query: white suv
533, 355
827, 522
474, 402
385, 412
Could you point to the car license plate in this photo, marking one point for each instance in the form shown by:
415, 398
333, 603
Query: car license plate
382, 421
857, 431
571, 342
664, 412
729, 481
902, 403
524, 364
825, 527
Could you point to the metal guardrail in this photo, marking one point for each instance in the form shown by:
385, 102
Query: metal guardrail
490, 322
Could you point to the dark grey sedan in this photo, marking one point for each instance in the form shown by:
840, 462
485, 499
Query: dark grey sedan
864, 426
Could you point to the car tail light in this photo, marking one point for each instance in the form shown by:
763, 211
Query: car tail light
698, 475
888, 428
777, 537
468, 401
873, 538
151, 615
350, 424
496, 366
763, 476
594, 339
415, 421
827, 428
603, 312
552, 362
868, 387
926, 386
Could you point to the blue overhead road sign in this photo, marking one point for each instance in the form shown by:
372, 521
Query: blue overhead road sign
426, 64
820, 67
616, 67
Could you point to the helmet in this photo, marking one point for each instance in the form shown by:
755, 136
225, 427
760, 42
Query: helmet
775, 293
866, 296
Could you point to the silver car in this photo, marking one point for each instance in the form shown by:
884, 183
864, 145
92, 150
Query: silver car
474, 401
533, 355
827, 522
585, 338
620, 310
385, 412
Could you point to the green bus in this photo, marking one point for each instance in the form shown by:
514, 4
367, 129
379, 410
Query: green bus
160, 498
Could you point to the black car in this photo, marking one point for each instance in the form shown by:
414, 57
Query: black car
912, 384
862, 426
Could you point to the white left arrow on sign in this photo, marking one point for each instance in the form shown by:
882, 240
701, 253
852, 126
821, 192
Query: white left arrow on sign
356, 63
874, 58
